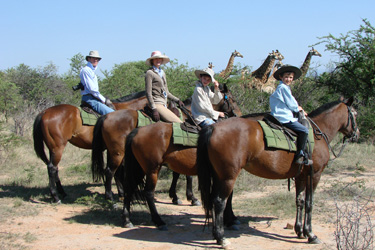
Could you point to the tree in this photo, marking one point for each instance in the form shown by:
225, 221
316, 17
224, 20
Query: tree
77, 62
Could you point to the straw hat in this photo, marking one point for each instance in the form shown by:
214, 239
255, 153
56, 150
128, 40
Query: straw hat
206, 71
93, 53
155, 55
287, 68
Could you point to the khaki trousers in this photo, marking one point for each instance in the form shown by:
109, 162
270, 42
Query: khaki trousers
167, 115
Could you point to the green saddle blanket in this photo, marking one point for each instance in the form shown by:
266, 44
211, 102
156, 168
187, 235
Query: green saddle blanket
183, 137
275, 138
143, 120
87, 118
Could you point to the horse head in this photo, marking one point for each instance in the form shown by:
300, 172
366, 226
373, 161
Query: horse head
351, 130
228, 104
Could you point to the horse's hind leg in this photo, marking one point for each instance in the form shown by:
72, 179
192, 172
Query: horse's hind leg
218, 221
149, 191
189, 191
108, 183
230, 220
54, 179
120, 188
172, 189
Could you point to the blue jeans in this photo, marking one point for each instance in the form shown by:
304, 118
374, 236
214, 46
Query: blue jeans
97, 105
302, 134
206, 122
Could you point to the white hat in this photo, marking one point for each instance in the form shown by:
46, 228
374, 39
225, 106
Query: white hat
206, 71
93, 53
157, 54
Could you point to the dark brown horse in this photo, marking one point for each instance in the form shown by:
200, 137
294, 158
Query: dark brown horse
229, 146
111, 131
147, 149
60, 124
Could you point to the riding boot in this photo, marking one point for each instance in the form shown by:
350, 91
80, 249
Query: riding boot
299, 157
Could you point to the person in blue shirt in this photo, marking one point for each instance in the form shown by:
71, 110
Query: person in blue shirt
90, 93
284, 106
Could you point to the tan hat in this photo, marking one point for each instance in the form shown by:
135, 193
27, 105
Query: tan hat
157, 54
93, 53
206, 71
287, 68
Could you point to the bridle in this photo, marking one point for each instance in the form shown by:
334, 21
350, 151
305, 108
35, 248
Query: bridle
350, 137
226, 101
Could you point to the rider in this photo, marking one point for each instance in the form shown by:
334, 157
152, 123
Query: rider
284, 106
157, 89
203, 98
90, 93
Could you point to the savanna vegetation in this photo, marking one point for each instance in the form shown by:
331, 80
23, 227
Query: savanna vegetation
25, 91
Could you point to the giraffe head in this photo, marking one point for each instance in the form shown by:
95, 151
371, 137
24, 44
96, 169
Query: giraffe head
314, 52
278, 55
210, 65
237, 54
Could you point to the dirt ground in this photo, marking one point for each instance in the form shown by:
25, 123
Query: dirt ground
53, 229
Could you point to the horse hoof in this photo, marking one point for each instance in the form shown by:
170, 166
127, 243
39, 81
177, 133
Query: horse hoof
233, 228
128, 225
195, 202
177, 201
314, 240
163, 228
225, 244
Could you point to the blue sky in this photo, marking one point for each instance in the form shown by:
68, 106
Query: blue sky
195, 32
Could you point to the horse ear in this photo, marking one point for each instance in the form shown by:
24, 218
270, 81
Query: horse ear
349, 101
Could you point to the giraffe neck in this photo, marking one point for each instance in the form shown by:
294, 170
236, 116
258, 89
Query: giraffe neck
262, 70
229, 67
268, 70
306, 64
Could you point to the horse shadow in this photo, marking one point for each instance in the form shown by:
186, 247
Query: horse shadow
75, 192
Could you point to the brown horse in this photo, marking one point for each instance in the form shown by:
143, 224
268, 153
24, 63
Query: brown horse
229, 146
60, 124
111, 131
147, 149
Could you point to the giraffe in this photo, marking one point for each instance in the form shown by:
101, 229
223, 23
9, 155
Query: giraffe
306, 64
210, 65
270, 85
260, 76
226, 73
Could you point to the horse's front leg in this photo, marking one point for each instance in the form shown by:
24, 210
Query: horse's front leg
149, 192
172, 189
300, 203
189, 191
307, 228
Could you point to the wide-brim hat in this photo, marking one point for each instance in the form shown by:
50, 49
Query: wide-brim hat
93, 53
155, 55
287, 68
206, 71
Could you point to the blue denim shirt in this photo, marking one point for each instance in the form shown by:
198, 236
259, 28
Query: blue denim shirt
283, 104
90, 82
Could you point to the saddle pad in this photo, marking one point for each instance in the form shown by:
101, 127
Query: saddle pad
275, 138
87, 119
183, 137
143, 120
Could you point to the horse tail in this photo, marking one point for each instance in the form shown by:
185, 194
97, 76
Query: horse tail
97, 161
204, 168
133, 181
39, 139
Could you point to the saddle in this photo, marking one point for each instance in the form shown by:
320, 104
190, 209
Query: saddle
88, 109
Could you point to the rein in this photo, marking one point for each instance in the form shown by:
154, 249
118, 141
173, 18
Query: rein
318, 133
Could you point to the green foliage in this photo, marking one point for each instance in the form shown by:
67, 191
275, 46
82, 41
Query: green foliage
77, 62
124, 79
9, 98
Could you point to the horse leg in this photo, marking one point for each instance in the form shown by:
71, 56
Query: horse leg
53, 176
307, 228
126, 214
189, 191
120, 188
300, 202
108, 183
230, 220
172, 189
149, 192
218, 221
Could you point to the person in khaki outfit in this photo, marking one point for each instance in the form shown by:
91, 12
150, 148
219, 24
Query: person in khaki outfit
157, 89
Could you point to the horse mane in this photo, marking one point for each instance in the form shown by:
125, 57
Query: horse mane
323, 108
130, 97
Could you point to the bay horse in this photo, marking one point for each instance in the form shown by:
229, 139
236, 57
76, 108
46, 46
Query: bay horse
146, 150
111, 131
60, 124
226, 148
